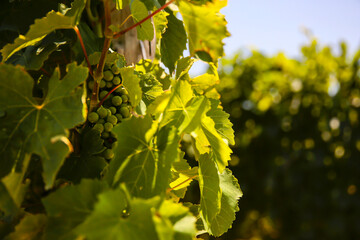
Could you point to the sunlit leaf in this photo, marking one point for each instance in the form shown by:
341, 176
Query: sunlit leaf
206, 28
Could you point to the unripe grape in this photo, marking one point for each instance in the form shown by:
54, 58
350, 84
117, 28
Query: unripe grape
125, 98
119, 117
99, 127
108, 112
108, 154
105, 135
115, 69
102, 112
108, 127
123, 91
112, 119
91, 85
103, 94
116, 80
93, 117
116, 100
109, 84
101, 121
112, 110
125, 112
108, 75
102, 84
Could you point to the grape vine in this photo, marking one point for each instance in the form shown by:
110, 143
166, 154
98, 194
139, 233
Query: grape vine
92, 145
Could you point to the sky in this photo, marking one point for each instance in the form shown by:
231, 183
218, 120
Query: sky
271, 26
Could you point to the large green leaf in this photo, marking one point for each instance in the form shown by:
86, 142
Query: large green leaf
209, 183
206, 28
173, 42
113, 219
174, 221
160, 22
182, 68
222, 123
68, 207
52, 21
30, 127
231, 193
145, 31
175, 104
207, 140
219, 196
30, 227
143, 165
151, 88
132, 84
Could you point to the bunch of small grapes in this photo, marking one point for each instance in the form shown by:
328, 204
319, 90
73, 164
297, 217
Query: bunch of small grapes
115, 108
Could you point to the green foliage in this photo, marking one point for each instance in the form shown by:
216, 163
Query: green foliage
93, 149
296, 143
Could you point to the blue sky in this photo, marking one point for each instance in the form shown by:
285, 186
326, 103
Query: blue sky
276, 25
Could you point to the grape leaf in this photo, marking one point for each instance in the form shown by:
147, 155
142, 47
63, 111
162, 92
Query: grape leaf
108, 220
174, 221
150, 87
85, 164
205, 83
145, 31
182, 68
181, 94
132, 84
182, 176
52, 21
182, 109
209, 183
160, 22
173, 42
219, 196
68, 207
29, 127
222, 123
231, 193
119, 4
142, 165
146, 66
206, 28
30, 227
33, 57
150, 4
207, 140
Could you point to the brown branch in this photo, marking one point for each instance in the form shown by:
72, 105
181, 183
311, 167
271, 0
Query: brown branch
143, 20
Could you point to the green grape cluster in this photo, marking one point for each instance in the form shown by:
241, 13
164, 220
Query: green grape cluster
115, 108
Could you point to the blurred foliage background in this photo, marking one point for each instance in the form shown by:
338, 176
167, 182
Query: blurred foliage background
297, 151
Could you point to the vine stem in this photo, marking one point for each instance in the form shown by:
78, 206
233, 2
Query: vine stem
104, 98
76, 29
143, 20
